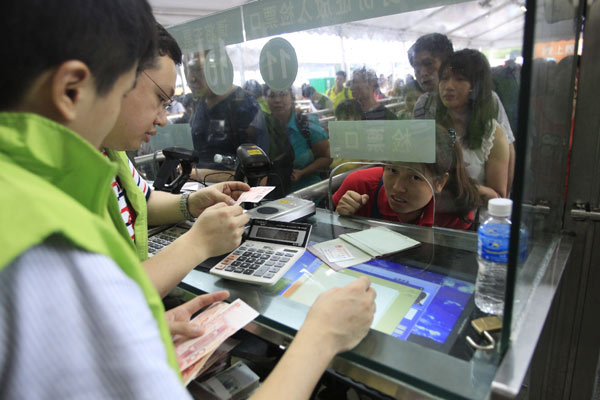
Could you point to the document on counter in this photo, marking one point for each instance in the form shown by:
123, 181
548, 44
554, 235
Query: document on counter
355, 248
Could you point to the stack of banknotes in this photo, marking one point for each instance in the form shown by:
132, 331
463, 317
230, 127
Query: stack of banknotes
218, 322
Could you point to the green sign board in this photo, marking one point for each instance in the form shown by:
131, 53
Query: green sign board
218, 71
209, 32
278, 64
273, 17
401, 141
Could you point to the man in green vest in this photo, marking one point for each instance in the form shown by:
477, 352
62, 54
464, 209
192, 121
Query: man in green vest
339, 92
80, 316
220, 224
71, 287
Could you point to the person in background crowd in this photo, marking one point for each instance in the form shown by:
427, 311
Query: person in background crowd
304, 134
410, 93
385, 84
465, 104
318, 100
380, 89
507, 80
339, 92
257, 90
426, 56
221, 122
348, 110
188, 105
396, 90
404, 192
363, 85
176, 107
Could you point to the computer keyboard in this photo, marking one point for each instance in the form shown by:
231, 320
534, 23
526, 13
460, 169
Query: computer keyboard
164, 238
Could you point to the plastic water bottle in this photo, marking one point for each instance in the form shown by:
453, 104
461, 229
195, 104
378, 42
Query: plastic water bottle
492, 256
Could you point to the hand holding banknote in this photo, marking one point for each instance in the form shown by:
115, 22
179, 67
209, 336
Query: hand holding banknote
178, 318
216, 323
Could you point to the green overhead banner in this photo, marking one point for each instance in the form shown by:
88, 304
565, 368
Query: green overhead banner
273, 17
394, 141
212, 31
263, 18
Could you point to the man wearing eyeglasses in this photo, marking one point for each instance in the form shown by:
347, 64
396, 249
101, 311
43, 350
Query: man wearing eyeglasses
219, 226
326, 331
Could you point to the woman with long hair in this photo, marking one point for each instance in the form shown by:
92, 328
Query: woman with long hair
465, 104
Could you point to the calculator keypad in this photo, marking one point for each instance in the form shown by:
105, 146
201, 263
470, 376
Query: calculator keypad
256, 261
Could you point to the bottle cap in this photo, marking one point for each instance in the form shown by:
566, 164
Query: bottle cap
500, 207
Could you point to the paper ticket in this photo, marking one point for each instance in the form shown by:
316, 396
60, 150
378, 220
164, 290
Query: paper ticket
255, 194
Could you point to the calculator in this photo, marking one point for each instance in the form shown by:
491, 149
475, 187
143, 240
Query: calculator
270, 249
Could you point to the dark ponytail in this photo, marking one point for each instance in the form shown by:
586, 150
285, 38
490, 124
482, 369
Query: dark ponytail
461, 186
460, 195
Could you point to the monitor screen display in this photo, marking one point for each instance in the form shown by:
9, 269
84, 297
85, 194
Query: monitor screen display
412, 304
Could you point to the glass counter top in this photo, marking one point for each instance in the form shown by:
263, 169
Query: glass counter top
427, 349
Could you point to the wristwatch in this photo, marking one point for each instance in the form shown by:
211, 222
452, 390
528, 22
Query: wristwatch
184, 206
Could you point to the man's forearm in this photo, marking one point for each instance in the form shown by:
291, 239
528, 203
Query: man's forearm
168, 267
163, 208
211, 175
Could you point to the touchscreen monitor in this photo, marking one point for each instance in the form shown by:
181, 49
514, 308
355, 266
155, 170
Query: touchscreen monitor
413, 304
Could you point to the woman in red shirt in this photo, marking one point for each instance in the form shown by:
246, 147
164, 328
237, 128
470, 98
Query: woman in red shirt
404, 192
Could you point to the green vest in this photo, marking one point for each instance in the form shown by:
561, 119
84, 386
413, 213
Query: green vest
136, 199
337, 98
54, 182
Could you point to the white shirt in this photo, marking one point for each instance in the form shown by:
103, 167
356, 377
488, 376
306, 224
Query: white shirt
73, 325
475, 159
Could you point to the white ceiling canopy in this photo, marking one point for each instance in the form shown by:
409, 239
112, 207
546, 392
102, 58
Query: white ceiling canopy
171, 12
483, 23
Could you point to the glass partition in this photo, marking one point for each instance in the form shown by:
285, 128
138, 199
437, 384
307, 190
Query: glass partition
319, 71
544, 137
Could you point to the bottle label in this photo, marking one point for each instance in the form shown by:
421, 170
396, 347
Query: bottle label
492, 242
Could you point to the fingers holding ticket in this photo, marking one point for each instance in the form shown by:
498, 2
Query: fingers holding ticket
255, 194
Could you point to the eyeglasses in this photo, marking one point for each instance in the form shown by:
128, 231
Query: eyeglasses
165, 103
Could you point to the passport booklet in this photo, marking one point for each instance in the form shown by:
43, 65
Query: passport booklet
351, 249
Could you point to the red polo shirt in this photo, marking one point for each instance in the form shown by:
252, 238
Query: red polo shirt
366, 181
